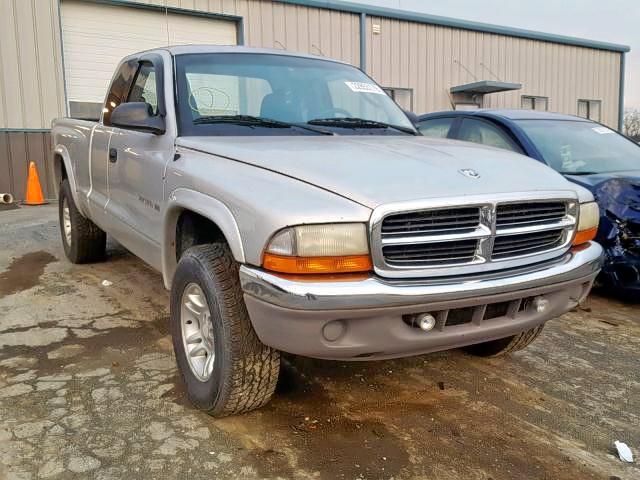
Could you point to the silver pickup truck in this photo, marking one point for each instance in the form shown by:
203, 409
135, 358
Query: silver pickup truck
291, 206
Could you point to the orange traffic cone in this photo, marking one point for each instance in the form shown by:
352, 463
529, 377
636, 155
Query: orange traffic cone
34, 194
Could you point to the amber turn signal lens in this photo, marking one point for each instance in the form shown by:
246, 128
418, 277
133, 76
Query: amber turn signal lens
305, 265
585, 236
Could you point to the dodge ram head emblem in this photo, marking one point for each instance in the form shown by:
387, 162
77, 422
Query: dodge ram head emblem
469, 172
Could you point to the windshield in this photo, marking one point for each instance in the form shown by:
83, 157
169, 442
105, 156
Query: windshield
233, 94
581, 148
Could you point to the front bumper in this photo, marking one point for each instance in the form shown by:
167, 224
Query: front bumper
363, 318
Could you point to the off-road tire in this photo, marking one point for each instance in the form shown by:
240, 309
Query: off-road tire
503, 346
88, 241
245, 371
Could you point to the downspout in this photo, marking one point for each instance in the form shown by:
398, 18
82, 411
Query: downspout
363, 42
621, 94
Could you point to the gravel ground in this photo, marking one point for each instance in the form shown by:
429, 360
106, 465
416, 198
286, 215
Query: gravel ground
89, 389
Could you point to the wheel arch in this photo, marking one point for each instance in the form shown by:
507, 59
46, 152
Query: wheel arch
183, 202
62, 169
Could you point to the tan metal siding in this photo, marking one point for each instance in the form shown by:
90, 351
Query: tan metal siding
31, 86
17, 149
427, 58
293, 27
430, 59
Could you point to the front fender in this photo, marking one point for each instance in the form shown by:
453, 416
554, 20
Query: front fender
183, 199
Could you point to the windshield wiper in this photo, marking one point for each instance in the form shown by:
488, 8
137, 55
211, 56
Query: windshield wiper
355, 122
251, 120
577, 173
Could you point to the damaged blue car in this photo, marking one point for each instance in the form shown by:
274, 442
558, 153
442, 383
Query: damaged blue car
587, 153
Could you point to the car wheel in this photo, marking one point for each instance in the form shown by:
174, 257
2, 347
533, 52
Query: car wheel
83, 240
506, 345
225, 367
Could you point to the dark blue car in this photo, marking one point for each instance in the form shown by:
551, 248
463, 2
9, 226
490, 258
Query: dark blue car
585, 152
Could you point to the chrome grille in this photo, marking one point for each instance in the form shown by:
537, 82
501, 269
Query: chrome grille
442, 238
429, 221
526, 243
532, 213
427, 254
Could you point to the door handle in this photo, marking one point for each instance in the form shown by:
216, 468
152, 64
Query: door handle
113, 155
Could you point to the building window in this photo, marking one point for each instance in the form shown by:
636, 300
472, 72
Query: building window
531, 102
590, 109
402, 96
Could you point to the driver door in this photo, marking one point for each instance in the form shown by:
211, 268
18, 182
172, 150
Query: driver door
137, 163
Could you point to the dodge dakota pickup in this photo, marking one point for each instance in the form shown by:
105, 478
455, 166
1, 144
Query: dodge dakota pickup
292, 206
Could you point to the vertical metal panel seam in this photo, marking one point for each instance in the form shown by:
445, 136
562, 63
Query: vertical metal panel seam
18, 68
621, 93
3, 100
37, 53
363, 42
64, 70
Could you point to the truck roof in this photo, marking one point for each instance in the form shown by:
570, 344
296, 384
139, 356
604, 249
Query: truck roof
187, 49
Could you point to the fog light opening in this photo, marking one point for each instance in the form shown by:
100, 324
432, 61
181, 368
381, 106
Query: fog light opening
541, 304
425, 321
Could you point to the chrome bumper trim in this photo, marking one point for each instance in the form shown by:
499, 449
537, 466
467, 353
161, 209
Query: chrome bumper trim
375, 292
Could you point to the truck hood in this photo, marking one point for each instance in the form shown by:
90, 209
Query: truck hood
375, 170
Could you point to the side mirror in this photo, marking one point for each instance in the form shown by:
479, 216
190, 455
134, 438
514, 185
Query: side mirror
138, 116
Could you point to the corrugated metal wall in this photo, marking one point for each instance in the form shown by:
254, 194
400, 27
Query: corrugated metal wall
293, 27
426, 58
17, 149
430, 59
31, 81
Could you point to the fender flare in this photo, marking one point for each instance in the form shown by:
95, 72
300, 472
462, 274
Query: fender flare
183, 199
62, 152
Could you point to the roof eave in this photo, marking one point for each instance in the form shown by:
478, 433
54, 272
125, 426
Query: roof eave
458, 23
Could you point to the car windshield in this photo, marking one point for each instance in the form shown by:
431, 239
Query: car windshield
268, 94
580, 148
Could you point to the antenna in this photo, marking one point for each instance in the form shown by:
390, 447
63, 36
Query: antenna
489, 70
279, 43
466, 69
313, 45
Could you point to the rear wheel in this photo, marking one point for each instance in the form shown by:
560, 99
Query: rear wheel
225, 367
503, 346
83, 241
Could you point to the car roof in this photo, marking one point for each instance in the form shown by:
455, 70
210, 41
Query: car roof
511, 114
187, 49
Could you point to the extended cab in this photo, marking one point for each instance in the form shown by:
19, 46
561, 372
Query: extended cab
292, 206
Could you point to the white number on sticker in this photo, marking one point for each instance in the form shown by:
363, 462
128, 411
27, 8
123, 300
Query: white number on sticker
365, 87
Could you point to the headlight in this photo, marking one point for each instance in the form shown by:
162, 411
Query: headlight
588, 220
327, 248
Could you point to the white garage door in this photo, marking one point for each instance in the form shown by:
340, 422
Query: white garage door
97, 36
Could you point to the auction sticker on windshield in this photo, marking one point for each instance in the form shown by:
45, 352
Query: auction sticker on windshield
602, 130
365, 87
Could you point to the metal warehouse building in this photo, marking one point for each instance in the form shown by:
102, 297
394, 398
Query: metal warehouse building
57, 56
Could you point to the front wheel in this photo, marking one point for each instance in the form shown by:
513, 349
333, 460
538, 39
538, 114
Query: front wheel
503, 346
225, 367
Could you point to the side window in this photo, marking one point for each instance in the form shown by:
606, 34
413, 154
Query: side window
437, 127
118, 89
480, 131
144, 87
